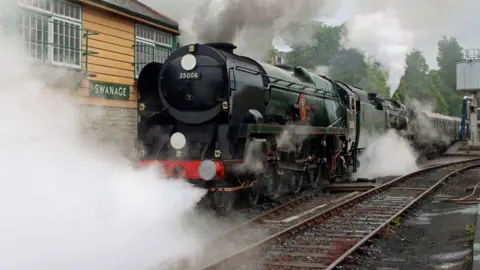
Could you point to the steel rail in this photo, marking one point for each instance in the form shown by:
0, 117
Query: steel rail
399, 213
269, 214
253, 250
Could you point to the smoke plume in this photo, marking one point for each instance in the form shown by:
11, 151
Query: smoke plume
250, 24
388, 29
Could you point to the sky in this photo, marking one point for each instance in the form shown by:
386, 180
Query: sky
384, 29
346, 11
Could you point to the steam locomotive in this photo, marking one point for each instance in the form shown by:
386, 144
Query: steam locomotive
247, 130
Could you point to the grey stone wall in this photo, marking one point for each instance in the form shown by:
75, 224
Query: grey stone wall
114, 126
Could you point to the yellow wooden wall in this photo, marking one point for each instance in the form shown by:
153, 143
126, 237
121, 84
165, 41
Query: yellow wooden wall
115, 54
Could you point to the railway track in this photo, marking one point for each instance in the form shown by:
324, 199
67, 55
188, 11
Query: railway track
272, 217
324, 236
268, 207
257, 211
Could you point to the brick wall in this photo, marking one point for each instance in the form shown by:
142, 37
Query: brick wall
113, 125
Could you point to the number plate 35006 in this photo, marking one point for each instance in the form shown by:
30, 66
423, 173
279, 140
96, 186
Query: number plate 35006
189, 75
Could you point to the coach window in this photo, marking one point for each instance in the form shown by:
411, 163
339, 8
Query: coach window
52, 31
151, 45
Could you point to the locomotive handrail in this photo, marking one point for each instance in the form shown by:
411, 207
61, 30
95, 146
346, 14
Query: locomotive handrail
248, 70
274, 81
231, 75
390, 108
328, 95
336, 122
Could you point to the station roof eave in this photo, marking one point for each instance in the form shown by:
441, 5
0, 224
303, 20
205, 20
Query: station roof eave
139, 11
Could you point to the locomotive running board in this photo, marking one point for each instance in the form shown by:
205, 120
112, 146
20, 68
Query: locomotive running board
291, 166
278, 129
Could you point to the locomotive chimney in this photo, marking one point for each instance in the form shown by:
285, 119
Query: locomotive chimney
223, 46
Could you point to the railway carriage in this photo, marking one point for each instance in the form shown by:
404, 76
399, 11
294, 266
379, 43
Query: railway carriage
443, 129
245, 129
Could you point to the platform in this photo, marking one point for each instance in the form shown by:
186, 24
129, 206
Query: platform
460, 148
454, 148
476, 243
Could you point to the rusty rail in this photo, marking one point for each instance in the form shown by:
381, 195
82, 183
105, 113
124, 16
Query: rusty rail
252, 250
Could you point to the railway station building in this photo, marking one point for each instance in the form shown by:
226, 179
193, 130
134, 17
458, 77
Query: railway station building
99, 46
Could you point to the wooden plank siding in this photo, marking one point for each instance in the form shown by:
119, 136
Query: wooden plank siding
126, 16
113, 61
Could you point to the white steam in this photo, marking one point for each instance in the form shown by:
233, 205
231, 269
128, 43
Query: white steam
388, 155
426, 131
388, 29
254, 160
381, 35
250, 24
69, 203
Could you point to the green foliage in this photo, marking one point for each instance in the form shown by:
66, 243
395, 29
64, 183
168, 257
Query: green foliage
395, 223
401, 93
422, 84
319, 52
376, 80
351, 66
436, 87
414, 83
449, 53
470, 231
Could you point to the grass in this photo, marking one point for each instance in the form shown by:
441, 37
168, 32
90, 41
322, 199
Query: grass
470, 231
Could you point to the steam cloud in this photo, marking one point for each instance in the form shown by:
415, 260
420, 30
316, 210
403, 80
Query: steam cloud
381, 35
389, 29
426, 130
402, 158
249, 24
68, 202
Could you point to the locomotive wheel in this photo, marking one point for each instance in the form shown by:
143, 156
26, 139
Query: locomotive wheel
272, 183
315, 178
295, 182
222, 202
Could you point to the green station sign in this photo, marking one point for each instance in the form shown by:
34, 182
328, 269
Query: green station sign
109, 90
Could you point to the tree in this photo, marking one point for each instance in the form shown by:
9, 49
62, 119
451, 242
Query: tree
413, 84
401, 93
349, 66
421, 84
376, 80
449, 53
436, 87
319, 52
